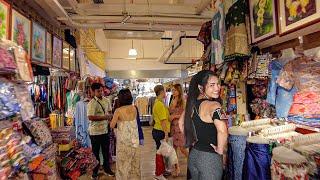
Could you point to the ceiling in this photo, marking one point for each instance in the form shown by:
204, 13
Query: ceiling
152, 26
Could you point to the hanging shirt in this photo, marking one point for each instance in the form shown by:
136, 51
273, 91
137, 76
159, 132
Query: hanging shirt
95, 109
217, 35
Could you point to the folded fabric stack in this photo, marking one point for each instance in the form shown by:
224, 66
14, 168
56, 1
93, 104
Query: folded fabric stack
305, 109
7, 61
12, 158
312, 153
78, 162
63, 135
9, 105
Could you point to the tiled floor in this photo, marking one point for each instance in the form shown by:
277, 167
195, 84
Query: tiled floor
148, 161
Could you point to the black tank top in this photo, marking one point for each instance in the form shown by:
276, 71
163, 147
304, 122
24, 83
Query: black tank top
206, 132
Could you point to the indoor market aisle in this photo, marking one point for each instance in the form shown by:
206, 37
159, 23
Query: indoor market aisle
148, 161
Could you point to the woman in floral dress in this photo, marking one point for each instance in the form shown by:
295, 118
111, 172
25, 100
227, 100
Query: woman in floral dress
176, 108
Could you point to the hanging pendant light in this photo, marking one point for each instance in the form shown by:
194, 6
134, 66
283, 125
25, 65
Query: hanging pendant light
132, 52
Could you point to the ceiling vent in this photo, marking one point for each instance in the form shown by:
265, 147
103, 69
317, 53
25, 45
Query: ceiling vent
133, 34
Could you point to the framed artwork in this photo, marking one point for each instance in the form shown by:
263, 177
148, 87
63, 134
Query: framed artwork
5, 19
294, 14
263, 22
66, 56
38, 43
49, 48
72, 59
21, 30
57, 52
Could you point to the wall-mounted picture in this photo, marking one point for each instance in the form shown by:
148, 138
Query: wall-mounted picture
296, 13
21, 30
4, 17
49, 48
66, 56
57, 52
38, 43
263, 19
72, 59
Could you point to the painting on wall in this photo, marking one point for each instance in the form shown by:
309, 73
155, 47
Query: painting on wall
72, 59
49, 48
294, 14
4, 17
262, 19
57, 52
66, 56
21, 30
38, 43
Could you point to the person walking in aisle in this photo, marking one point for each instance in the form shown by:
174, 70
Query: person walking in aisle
204, 131
127, 148
98, 116
176, 108
160, 115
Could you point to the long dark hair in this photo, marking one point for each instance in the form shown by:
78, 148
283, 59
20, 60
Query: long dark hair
201, 78
125, 97
180, 102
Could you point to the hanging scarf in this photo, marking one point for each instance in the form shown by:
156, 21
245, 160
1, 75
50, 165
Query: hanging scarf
141, 138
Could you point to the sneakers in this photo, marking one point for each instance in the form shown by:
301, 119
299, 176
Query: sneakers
161, 177
109, 172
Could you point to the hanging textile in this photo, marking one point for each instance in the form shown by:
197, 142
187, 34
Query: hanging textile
257, 162
236, 32
236, 154
81, 123
204, 35
217, 34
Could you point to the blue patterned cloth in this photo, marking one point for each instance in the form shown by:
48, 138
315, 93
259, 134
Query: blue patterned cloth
82, 123
257, 162
277, 95
236, 154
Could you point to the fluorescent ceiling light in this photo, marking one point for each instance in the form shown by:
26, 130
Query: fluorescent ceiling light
133, 52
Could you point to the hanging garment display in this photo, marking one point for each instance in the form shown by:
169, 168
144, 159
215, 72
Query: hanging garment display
72, 99
218, 34
204, 35
236, 32
56, 93
82, 123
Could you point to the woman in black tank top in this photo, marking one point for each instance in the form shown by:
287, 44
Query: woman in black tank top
205, 133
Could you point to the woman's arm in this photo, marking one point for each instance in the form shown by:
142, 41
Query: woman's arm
181, 122
114, 119
222, 136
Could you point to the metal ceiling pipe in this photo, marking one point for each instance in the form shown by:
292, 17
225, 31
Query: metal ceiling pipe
160, 27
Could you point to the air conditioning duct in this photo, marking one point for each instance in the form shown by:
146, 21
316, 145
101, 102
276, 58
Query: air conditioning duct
133, 34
